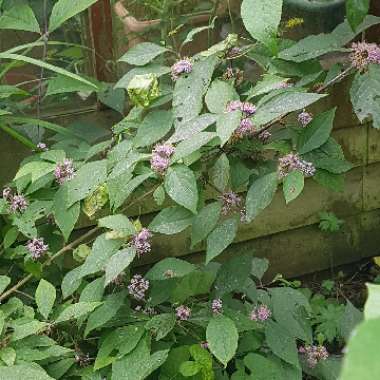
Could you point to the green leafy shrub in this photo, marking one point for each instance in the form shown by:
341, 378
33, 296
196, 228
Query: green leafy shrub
209, 151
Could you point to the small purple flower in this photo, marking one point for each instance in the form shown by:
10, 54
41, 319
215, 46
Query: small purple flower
160, 160
183, 66
183, 312
217, 306
248, 108
261, 313
64, 172
283, 84
363, 54
231, 201
245, 129
37, 247
42, 147
234, 52
18, 203
314, 354
292, 162
137, 287
304, 118
264, 136
141, 243
7, 194
233, 105
204, 345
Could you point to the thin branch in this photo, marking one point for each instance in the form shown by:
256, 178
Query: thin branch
68, 248
336, 79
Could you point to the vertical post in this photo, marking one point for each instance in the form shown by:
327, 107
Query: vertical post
100, 15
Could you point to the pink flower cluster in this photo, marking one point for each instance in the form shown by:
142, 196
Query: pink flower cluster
42, 147
304, 118
37, 247
183, 312
141, 242
64, 171
363, 54
217, 306
17, 202
261, 313
160, 160
314, 354
183, 66
231, 202
137, 287
292, 162
246, 127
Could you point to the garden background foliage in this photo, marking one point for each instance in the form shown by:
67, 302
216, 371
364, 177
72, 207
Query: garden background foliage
211, 149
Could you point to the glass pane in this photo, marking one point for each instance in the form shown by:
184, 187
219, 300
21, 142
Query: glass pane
71, 54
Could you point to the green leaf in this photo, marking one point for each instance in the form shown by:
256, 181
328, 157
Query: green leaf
113, 98
361, 360
171, 220
290, 308
36, 170
293, 185
350, 319
155, 126
123, 339
192, 144
138, 364
47, 66
86, 180
261, 18
123, 190
102, 250
142, 53
365, 93
8, 355
334, 182
263, 367
19, 16
77, 310
195, 31
282, 104
65, 9
371, 308
61, 85
71, 282
281, 343
158, 70
177, 268
219, 239
191, 127
189, 90
105, 312
219, 95
204, 222
233, 274
161, 325
222, 338
269, 83
193, 284
10, 237
30, 371
4, 282
118, 263
189, 369
220, 173
260, 194
27, 329
356, 10
316, 45
45, 297
226, 124
118, 222
65, 218
181, 186
317, 132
